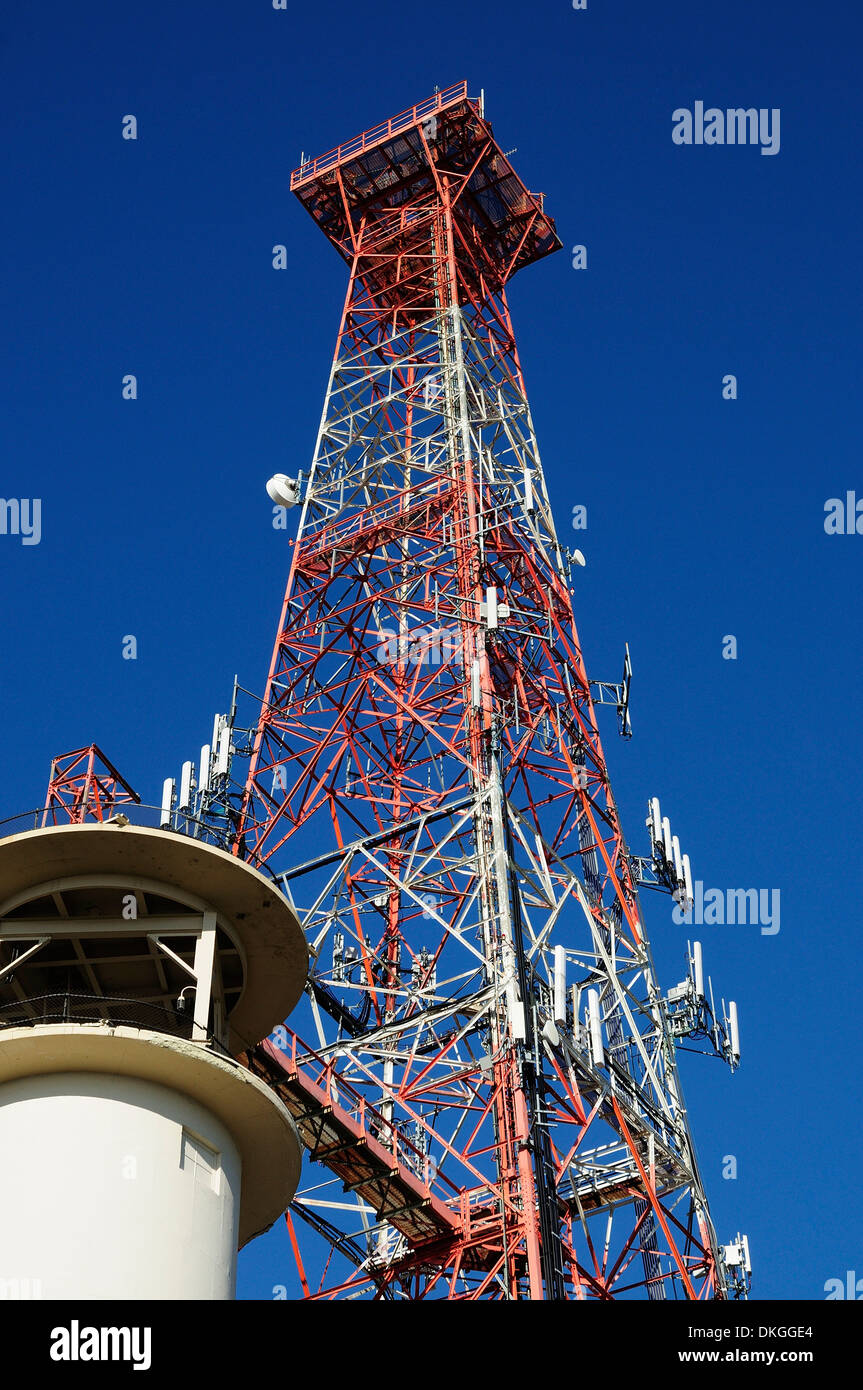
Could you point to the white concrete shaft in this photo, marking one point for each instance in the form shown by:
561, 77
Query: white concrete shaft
109, 1192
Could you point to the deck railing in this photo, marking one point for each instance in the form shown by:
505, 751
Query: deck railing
384, 131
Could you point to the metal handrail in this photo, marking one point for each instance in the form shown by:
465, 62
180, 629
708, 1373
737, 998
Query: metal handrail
338, 1090
145, 816
114, 1011
360, 143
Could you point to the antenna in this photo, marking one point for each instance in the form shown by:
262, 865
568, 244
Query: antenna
491, 607
575, 1000
528, 491
698, 969
678, 864
666, 839
623, 704
187, 775
474, 685
733, 1029
594, 1020
284, 490
687, 883
168, 788
559, 1010
205, 766
224, 753
654, 820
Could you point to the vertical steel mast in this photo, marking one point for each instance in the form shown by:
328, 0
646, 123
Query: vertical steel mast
492, 1089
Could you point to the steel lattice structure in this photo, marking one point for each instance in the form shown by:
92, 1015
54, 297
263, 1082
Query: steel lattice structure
492, 1103
85, 784
428, 720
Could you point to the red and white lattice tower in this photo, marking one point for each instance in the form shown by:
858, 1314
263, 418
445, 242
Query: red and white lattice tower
492, 1091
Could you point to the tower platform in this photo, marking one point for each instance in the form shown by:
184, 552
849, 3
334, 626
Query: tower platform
387, 174
135, 965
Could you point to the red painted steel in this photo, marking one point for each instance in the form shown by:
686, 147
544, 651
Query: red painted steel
84, 785
361, 749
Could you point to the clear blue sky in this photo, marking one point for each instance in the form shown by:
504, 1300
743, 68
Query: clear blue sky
705, 517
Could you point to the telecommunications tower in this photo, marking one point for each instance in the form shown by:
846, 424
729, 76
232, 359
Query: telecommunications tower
492, 1090
484, 1069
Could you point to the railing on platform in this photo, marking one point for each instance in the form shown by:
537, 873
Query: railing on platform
113, 1011
297, 1057
360, 143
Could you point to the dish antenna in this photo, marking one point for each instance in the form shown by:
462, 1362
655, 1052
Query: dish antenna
283, 490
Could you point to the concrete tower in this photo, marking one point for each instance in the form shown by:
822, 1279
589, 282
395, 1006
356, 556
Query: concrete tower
137, 1154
